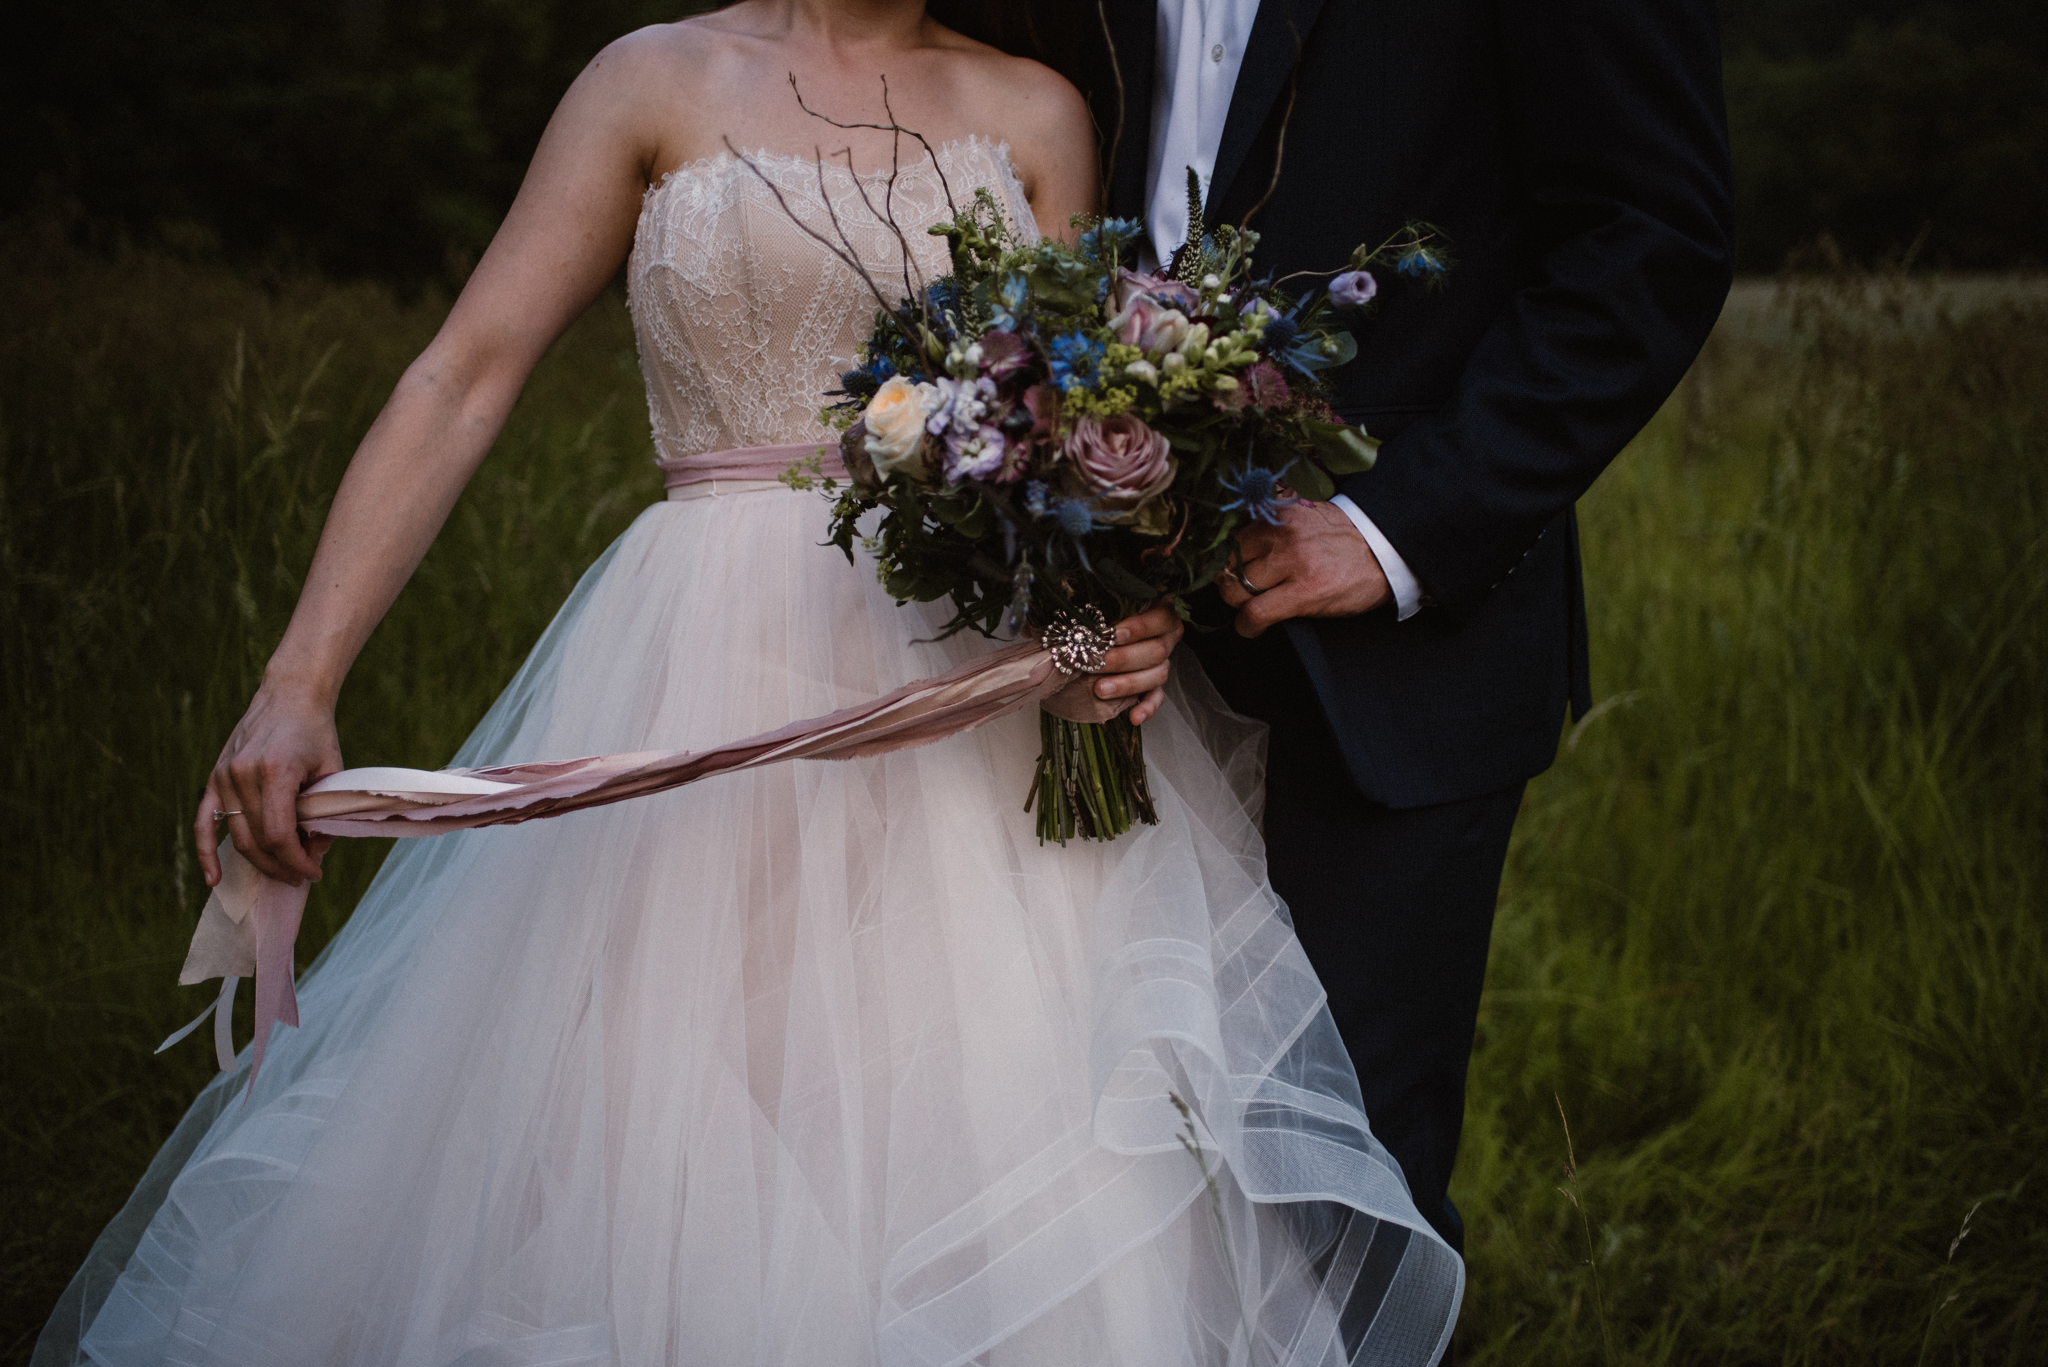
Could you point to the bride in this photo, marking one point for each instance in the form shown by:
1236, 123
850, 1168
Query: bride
823, 1064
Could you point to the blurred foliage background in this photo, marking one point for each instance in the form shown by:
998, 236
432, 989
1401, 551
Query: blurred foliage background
364, 137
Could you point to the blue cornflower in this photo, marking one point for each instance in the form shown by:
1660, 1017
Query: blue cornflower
1076, 361
1109, 237
1258, 494
1009, 303
1419, 262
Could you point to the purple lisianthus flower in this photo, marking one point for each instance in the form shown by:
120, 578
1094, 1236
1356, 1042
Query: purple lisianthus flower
1353, 289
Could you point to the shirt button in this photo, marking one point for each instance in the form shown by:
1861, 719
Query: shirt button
1216, 53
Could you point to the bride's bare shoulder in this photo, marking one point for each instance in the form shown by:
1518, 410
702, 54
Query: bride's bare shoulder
660, 78
1026, 104
656, 62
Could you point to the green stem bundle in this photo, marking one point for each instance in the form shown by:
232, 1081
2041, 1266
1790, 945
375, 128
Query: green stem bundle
1090, 781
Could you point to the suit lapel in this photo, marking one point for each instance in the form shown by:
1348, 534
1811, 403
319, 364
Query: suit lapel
1134, 31
1277, 34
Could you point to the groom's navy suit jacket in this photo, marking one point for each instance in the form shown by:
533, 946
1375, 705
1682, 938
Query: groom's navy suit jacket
1576, 155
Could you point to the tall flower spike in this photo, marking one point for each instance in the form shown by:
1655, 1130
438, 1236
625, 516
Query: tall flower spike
1187, 262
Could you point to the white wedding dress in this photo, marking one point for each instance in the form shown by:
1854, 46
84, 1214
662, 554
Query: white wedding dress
820, 1065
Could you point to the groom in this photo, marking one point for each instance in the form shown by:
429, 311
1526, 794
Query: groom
1415, 644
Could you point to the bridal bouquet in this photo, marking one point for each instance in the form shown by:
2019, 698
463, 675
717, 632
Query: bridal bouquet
1055, 441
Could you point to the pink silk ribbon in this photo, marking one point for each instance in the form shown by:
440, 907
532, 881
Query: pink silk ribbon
749, 462
251, 921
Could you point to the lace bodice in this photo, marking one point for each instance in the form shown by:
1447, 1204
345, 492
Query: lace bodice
743, 320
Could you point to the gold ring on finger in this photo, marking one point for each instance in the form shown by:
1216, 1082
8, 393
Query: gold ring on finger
219, 815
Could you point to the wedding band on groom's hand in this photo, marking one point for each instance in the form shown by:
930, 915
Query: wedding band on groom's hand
1246, 584
219, 815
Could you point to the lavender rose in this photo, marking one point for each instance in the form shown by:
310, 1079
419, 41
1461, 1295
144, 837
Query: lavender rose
1151, 328
1353, 289
1122, 460
1167, 293
1152, 314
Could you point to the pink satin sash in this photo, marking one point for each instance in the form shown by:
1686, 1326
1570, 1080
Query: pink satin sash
748, 463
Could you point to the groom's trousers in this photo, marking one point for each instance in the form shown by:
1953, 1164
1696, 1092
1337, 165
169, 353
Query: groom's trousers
1394, 906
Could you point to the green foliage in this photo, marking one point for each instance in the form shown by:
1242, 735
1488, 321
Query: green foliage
1888, 124
1772, 930
373, 138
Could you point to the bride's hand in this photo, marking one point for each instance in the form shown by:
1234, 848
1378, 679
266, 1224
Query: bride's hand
1136, 666
285, 741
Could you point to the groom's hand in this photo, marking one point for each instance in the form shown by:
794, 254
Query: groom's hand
1314, 564
1136, 666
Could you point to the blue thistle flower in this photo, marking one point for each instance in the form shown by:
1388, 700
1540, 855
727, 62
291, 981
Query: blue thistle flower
1286, 342
1074, 517
1258, 494
1280, 334
1076, 361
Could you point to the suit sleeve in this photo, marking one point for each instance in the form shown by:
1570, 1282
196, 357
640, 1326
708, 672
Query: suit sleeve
1619, 132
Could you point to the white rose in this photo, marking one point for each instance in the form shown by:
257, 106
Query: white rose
895, 419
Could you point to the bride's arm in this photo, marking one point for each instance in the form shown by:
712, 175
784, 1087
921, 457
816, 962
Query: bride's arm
564, 238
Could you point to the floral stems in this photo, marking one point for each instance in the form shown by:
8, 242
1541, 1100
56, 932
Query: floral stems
1090, 781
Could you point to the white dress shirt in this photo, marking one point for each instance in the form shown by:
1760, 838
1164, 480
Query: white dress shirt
1201, 47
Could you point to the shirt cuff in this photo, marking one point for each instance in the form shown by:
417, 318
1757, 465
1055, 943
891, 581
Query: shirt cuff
1400, 579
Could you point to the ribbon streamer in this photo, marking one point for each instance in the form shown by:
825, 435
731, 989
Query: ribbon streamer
251, 921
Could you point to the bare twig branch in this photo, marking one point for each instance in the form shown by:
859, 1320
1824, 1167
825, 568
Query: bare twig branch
1116, 139
1280, 140
890, 127
842, 249
886, 215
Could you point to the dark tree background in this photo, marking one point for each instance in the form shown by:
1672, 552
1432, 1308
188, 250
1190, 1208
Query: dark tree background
370, 137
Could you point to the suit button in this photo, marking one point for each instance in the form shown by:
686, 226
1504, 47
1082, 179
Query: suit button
1216, 53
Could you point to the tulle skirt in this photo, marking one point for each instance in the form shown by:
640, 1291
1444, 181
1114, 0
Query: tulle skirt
822, 1065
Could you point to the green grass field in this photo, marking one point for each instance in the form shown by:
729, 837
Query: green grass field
1772, 936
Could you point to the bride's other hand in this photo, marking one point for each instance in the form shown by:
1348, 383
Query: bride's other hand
1136, 667
562, 241
285, 741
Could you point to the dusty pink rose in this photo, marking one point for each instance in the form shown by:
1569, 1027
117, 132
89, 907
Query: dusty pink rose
1122, 460
1152, 314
